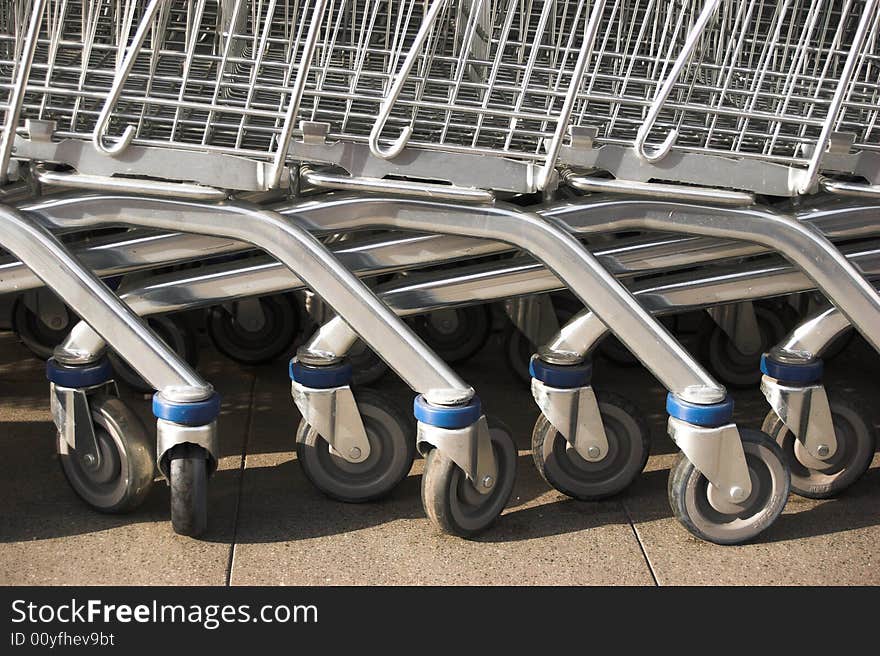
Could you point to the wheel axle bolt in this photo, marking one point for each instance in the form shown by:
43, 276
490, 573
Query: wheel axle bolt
822, 450
488, 482
594, 451
355, 453
737, 493
89, 460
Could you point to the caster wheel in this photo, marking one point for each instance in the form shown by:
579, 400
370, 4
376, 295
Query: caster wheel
367, 367
126, 471
731, 366
821, 479
519, 349
691, 494
450, 499
173, 331
392, 450
270, 337
188, 479
455, 334
38, 337
628, 446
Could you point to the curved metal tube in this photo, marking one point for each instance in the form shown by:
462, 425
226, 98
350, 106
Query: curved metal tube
685, 292
809, 339
119, 81
561, 253
345, 213
665, 91
95, 303
397, 86
294, 246
800, 243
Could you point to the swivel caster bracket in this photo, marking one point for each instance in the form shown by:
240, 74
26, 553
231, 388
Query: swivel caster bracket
334, 415
806, 412
470, 448
717, 452
73, 418
170, 434
575, 414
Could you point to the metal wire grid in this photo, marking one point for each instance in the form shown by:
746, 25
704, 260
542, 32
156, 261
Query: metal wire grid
758, 85
490, 78
14, 16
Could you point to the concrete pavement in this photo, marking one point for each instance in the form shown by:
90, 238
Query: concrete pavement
268, 525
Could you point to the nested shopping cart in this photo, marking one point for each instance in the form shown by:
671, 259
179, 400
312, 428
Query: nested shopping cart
430, 113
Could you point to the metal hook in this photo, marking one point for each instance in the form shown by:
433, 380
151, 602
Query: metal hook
399, 80
119, 81
659, 152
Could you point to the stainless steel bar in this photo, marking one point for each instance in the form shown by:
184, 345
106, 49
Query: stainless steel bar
16, 97
580, 335
403, 187
293, 245
485, 283
359, 212
119, 254
810, 338
95, 303
130, 185
801, 244
659, 190
119, 80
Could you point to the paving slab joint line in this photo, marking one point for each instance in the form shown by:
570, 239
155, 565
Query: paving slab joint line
242, 467
635, 531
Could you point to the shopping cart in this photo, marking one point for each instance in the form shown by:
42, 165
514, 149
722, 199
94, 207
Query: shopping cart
453, 104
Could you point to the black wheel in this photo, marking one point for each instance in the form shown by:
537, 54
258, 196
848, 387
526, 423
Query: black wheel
38, 337
821, 479
455, 334
690, 493
628, 446
519, 349
172, 330
188, 479
730, 365
450, 499
267, 339
392, 449
123, 477
366, 367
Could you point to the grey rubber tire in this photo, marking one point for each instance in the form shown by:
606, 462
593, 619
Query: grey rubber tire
856, 443
36, 336
188, 479
450, 499
732, 367
629, 444
392, 438
127, 469
688, 493
468, 331
283, 324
